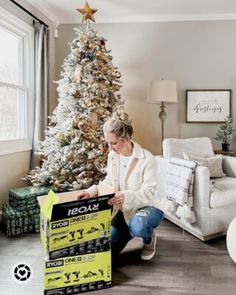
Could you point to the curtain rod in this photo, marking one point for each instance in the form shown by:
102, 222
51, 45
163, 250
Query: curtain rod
28, 12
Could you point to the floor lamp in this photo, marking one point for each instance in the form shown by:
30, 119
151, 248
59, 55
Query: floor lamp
162, 92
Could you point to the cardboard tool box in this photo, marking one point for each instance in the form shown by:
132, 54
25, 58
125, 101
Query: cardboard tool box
72, 227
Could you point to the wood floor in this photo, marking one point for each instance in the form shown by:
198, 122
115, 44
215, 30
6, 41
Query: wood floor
182, 265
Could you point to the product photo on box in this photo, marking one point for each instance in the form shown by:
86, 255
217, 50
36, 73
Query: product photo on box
77, 274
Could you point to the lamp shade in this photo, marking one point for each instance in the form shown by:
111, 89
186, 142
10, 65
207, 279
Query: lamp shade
162, 90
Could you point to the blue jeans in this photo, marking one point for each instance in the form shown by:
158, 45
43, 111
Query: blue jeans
141, 225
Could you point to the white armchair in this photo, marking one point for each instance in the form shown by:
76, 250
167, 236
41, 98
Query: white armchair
215, 203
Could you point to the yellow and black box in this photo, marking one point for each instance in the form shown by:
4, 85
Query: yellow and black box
77, 274
73, 227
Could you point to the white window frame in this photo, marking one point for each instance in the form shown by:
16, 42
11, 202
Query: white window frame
12, 23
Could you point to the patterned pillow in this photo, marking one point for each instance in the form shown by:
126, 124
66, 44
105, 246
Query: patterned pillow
214, 164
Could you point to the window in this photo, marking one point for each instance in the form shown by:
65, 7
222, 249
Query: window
16, 83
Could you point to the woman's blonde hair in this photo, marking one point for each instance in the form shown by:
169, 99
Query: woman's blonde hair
120, 126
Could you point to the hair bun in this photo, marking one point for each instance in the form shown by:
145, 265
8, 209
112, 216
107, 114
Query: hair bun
122, 116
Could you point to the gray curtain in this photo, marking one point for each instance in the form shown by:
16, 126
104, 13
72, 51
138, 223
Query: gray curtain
41, 95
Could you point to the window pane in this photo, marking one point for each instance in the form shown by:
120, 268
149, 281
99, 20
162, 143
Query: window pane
9, 112
9, 57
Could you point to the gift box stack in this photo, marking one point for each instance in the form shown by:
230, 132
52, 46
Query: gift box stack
22, 213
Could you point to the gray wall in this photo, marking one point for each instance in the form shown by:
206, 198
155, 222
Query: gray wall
197, 54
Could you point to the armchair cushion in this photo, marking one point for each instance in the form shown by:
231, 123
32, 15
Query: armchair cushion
214, 164
229, 166
200, 146
223, 192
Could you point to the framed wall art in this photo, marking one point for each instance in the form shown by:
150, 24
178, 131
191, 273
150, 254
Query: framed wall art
208, 106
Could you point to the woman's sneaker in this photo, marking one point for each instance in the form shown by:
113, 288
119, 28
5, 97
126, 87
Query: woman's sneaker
149, 250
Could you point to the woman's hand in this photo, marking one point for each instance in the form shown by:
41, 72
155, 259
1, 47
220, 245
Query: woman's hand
83, 195
118, 199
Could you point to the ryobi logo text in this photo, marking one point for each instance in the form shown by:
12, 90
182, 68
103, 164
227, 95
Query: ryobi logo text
83, 209
54, 263
60, 224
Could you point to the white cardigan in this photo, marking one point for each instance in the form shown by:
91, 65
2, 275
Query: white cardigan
139, 181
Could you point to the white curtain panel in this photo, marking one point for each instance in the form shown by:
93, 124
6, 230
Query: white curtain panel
41, 96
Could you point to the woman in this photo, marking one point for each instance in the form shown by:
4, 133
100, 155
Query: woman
130, 173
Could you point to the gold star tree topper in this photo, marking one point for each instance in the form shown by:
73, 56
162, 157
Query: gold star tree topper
87, 12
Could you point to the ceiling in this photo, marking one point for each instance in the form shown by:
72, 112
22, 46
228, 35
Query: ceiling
64, 11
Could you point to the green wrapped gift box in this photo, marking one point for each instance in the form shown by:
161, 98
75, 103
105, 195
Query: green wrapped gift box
26, 197
22, 214
17, 222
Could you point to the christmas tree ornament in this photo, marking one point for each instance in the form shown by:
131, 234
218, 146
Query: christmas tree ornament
87, 12
77, 72
77, 93
102, 45
56, 183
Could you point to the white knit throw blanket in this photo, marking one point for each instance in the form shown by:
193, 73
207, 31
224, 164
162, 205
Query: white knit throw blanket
179, 189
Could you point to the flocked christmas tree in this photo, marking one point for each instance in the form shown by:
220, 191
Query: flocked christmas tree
74, 149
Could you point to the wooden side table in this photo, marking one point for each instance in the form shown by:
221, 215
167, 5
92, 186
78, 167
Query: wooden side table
231, 153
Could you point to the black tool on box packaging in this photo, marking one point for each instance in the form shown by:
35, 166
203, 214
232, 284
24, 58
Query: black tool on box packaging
59, 239
67, 275
76, 273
